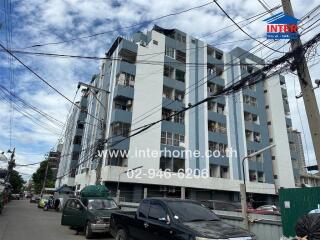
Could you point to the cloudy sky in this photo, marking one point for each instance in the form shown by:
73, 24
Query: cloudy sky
33, 22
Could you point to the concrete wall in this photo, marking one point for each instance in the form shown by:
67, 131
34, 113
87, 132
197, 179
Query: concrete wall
282, 165
147, 97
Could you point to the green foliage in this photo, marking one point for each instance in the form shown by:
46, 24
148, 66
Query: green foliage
16, 182
39, 176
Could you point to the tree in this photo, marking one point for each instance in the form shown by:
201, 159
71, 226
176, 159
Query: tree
39, 176
16, 181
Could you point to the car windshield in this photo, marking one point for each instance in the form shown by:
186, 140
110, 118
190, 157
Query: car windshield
45, 197
191, 212
100, 204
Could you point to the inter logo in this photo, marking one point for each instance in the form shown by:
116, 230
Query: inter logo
281, 26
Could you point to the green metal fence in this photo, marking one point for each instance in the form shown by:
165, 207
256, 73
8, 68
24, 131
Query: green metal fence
294, 203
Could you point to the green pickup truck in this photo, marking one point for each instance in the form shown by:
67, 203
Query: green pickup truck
91, 212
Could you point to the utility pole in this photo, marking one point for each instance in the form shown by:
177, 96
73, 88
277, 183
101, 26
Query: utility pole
101, 141
11, 164
312, 111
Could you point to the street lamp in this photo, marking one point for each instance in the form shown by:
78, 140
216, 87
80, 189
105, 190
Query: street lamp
129, 170
243, 189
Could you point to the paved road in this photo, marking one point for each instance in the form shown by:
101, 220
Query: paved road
22, 220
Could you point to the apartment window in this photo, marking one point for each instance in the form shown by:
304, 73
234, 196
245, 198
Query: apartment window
166, 114
251, 117
252, 101
179, 96
219, 55
217, 127
219, 71
220, 108
275, 176
179, 118
80, 125
252, 176
77, 140
120, 129
167, 92
224, 172
265, 91
257, 137
211, 70
267, 106
210, 51
178, 164
75, 155
176, 140
215, 146
124, 105
268, 123
165, 163
180, 56
260, 177
180, 75
273, 158
170, 52
270, 140
125, 79
155, 42
168, 71
171, 139
252, 87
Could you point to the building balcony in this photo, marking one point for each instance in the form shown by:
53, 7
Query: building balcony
217, 137
119, 115
252, 126
127, 45
213, 78
221, 161
172, 83
127, 67
172, 127
255, 165
213, 60
214, 116
250, 108
114, 142
172, 104
123, 91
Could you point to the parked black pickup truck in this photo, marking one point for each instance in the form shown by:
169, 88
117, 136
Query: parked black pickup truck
171, 219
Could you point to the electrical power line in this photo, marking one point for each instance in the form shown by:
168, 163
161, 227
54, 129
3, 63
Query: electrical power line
241, 29
122, 28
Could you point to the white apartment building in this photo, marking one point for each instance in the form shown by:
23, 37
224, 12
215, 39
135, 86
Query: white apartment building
153, 75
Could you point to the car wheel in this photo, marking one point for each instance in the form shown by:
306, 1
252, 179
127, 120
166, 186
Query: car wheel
121, 235
88, 231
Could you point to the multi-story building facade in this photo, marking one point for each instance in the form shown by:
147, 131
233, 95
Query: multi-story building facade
154, 75
54, 160
72, 144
